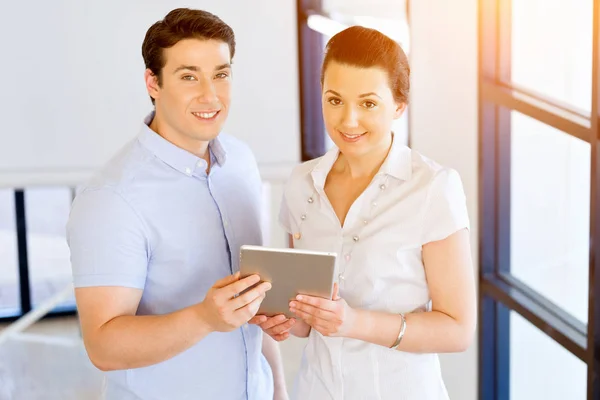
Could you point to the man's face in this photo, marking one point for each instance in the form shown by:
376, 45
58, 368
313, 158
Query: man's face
193, 99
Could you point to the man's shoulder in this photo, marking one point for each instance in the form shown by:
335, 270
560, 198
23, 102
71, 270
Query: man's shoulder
121, 169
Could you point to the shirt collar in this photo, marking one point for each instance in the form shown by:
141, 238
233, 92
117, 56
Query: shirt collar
176, 157
398, 164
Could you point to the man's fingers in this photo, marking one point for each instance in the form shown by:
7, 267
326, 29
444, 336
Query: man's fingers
250, 295
229, 279
240, 285
250, 309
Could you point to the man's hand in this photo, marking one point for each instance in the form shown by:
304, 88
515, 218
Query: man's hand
277, 327
224, 310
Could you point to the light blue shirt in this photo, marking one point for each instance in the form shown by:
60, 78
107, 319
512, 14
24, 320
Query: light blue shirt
153, 219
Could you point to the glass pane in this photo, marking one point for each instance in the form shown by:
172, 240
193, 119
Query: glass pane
552, 49
47, 211
540, 368
10, 303
550, 213
394, 9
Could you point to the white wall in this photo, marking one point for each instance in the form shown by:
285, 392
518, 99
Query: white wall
73, 88
444, 123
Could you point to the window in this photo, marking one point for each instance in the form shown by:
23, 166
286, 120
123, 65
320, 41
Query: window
47, 211
318, 21
539, 166
10, 303
35, 257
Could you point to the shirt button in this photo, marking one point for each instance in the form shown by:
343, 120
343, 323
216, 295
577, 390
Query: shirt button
382, 187
188, 171
225, 223
356, 238
200, 163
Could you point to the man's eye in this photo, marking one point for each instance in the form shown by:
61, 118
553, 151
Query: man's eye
188, 78
222, 75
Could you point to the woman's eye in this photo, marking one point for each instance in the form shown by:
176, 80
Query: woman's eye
334, 102
369, 104
222, 75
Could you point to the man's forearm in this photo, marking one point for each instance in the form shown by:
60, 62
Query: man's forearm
127, 342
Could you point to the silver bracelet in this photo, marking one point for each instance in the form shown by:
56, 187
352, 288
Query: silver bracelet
401, 334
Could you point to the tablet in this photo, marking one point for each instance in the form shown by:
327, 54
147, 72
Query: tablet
290, 272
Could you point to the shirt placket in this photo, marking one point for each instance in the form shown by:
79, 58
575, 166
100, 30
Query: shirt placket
230, 239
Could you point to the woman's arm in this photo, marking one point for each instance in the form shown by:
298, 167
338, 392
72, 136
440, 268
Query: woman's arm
449, 327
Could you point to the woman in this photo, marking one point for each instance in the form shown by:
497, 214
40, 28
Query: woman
398, 222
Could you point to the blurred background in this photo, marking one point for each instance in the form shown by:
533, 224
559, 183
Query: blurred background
506, 92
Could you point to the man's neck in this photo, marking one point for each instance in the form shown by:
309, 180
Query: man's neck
197, 147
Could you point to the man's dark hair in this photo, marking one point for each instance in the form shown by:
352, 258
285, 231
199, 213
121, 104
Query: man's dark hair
180, 24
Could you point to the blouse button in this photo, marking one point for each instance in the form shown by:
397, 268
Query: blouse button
356, 238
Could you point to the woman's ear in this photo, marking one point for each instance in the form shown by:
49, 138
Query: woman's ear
400, 108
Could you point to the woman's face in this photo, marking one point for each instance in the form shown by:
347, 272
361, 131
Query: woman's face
358, 108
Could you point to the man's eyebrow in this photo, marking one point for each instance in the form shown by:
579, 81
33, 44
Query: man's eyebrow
186, 67
223, 66
196, 69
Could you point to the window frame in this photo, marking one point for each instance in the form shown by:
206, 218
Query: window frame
497, 98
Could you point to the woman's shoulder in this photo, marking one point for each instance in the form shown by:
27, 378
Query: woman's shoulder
429, 171
301, 173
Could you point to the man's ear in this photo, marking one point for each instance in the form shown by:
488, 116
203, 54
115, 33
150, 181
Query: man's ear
152, 85
400, 108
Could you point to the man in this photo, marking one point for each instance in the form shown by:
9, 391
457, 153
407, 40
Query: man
155, 236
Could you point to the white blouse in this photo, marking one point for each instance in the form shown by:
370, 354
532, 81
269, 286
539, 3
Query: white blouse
411, 201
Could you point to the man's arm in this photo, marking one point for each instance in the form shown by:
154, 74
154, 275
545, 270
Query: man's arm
115, 338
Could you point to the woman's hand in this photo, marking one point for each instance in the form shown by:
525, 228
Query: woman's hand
277, 327
329, 317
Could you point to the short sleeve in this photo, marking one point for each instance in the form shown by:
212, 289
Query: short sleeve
107, 241
445, 209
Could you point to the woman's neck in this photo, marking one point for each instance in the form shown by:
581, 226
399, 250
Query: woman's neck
364, 165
